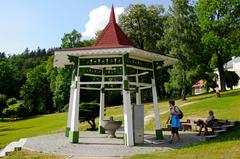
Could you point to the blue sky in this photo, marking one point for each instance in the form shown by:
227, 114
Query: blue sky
33, 23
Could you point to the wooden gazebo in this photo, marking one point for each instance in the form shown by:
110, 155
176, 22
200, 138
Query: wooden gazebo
118, 66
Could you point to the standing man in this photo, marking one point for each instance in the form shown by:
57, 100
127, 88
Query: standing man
173, 117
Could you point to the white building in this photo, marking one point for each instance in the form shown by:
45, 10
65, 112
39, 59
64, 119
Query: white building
232, 65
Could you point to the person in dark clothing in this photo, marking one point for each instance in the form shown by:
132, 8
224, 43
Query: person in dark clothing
207, 123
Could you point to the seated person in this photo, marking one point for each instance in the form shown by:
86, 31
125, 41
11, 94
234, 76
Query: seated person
208, 123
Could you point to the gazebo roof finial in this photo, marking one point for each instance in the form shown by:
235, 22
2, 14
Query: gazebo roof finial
112, 16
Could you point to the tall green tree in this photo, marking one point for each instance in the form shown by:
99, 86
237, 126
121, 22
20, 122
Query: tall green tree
182, 40
3, 104
73, 40
36, 91
143, 25
219, 21
25, 62
2, 55
61, 88
8, 79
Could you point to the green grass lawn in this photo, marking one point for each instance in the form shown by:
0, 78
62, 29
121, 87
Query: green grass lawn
226, 146
226, 107
44, 124
33, 126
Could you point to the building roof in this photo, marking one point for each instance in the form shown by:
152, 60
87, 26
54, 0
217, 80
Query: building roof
111, 37
199, 84
229, 64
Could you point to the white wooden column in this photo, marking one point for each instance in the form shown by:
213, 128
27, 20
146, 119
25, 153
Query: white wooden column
102, 105
127, 108
74, 132
158, 129
69, 109
138, 92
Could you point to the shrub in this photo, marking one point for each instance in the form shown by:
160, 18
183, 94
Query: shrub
11, 101
89, 112
15, 110
231, 79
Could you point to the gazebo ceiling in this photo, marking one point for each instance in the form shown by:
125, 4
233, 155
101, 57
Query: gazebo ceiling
112, 42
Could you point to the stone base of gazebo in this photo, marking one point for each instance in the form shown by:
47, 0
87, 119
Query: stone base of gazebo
93, 144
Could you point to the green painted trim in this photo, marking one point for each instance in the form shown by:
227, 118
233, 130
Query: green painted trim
137, 89
140, 63
67, 132
125, 139
159, 134
73, 136
101, 130
126, 85
103, 90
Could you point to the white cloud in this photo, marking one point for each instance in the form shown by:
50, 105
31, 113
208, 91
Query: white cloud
98, 19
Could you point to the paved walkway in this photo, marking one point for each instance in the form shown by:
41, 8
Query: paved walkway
93, 145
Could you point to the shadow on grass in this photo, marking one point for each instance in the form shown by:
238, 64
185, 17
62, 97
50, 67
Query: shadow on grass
3, 134
12, 129
20, 119
233, 93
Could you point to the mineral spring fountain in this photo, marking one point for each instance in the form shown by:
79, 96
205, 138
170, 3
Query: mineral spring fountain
111, 126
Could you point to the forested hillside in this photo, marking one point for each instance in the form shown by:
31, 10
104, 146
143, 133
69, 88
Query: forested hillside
202, 38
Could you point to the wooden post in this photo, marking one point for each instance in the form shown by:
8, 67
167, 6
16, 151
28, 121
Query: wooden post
70, 109
102, 105
128, 120
74, 132
158, 129
138, 91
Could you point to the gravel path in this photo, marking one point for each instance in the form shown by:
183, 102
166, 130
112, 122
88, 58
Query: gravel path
93, 145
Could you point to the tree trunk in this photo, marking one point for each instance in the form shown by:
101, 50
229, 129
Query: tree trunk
183, 92
89, 122
221, 72
92, 123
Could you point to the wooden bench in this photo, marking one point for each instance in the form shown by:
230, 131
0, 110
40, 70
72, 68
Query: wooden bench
191, 124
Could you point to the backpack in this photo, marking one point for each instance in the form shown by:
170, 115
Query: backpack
180, 116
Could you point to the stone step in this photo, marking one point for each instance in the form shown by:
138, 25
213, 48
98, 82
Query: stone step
209, 137
13, 146
228, 126
232, 122
217, 132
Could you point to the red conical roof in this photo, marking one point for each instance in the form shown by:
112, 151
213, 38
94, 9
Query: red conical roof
112, 36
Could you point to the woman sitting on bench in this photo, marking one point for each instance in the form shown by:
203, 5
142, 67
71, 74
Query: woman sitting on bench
208, 123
